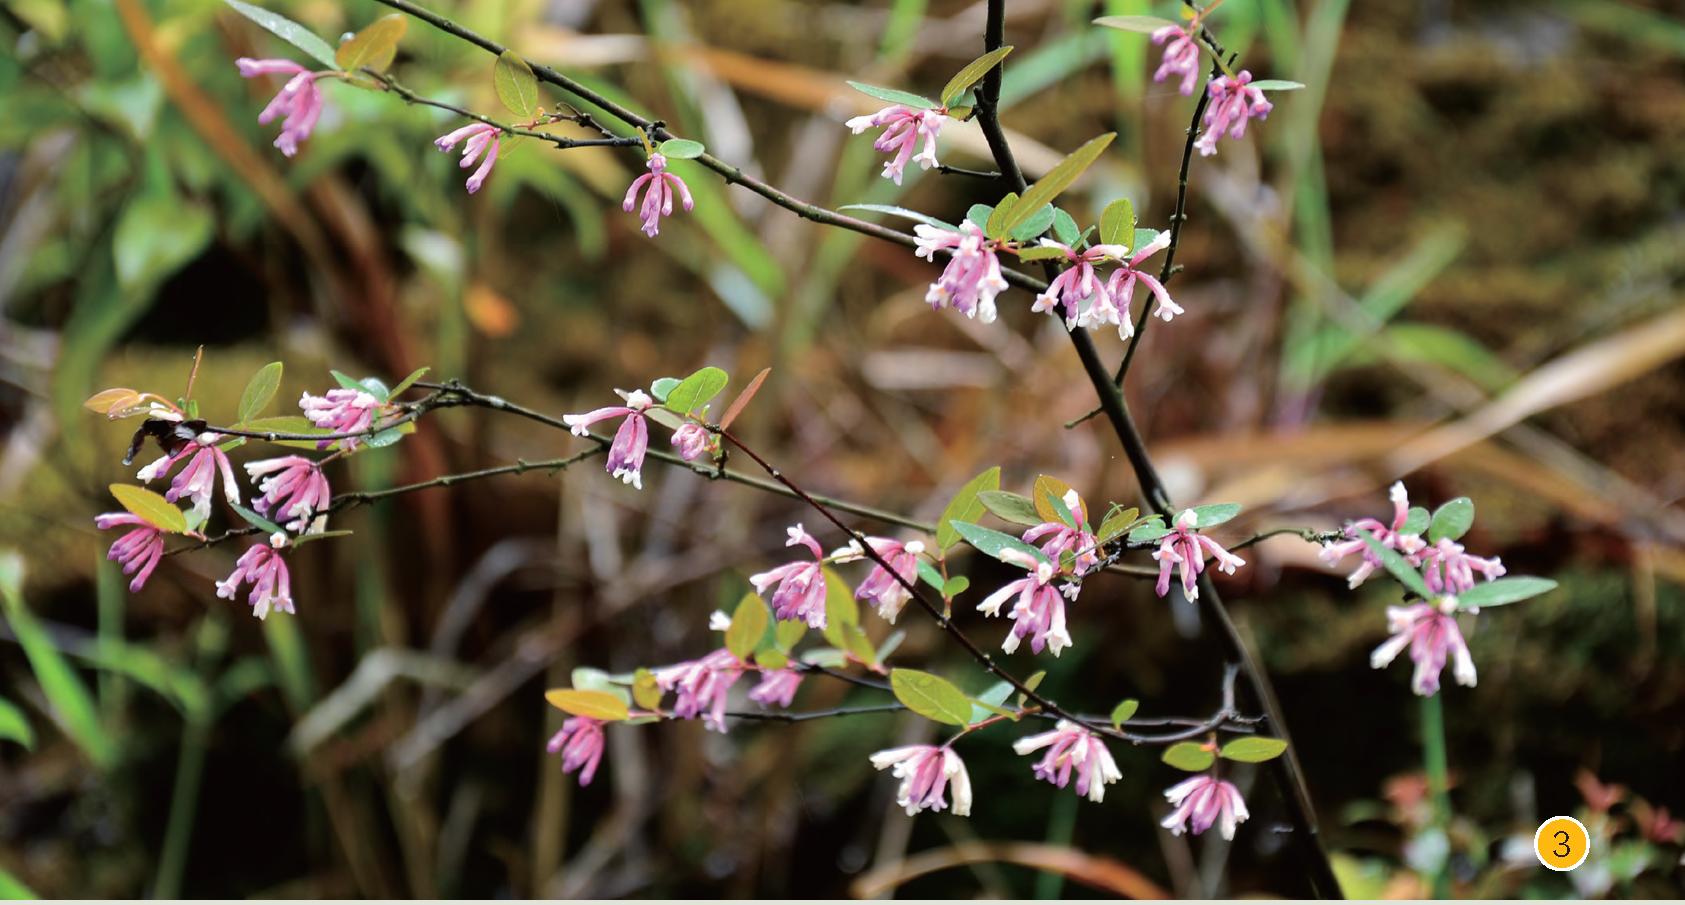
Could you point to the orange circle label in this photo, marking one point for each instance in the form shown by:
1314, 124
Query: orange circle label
1561, 843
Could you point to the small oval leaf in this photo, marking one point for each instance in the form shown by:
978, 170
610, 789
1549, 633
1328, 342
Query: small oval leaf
971, 72
930, 696
515, 84
1253, 749
748, 626
1503, 591
596, 705
1117, 223
1189, 756
1010, 507
157, 511
1123, 711
1452, 520
681, 149
965, 507
697, 389
260, 390
375, 46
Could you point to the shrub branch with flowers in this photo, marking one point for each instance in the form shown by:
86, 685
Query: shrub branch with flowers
1095, 276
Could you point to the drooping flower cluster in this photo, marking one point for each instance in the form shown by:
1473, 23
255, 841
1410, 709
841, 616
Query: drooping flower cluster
483, 141
138, 550
925, 772
1057, 538
263, 567
197, 479
1203, 801
1072, 749
801, 585
1181, 57
631, 441
777, 687
299, 102
903, 127
658, 197
292, 489
1039, 612
972, 277
1430, 631
580, 743
1449, 569
1233, 101
342, 411
1446, 567
703, 686
881, 587
1185, 547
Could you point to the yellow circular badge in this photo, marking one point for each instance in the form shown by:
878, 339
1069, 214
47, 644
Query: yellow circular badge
1561, 843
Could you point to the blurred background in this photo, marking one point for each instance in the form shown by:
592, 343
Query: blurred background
1455, 257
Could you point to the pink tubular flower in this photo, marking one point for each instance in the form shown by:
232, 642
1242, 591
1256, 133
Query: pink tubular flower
483, 139
693, 441
580, 743
1449, 570
972, 278
1391, 536
1431, 633
1181, 57
1121, 286
139, 550
1077, 290
341, 411
1071, 748
1202, 801
196, 481
631, 441
299, 102
776, 687
1186, 547
801, 585
1233, 102
263, 566
703, 686
903, 127
925, 771
293, 489
1061, 538
880, 586
658, 201
1040, 609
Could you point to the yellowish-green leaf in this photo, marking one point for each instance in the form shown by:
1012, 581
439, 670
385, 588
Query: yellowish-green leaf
516, 86
972, 71
113, 402
1189, 756
1123, 711
1117, 223
260, 390
157, 511
748, 626
596, 705
645, 691
965, 507
930, 696
1057, 180
1047, 489
1253, 749
374, 46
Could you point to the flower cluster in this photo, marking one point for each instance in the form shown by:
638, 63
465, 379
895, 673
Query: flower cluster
801, 585
1185, 547
658, 196
483, 141
1201, 802
903, 127
1430, 631
925, 772
1072, 749
299, 102
1039, 611
263, 567
1234, 100
204, 459
1181, 57
972, 278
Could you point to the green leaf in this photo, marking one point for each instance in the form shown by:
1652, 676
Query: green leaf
1036, 225
1057, 180
828, 657
1415, 521
978, 215
1010, 507
841, 609
788, 633
1115, 523
515, 84
681, 149
587, 678
407, 382
971, 72
68, 700
375, 46
931, 697
994, 543
157, 511
1276, 85
1040, 253
596, 705
965, 507
772, 658
1065, 228
1397, 565
1061, 512
390, 436
260, 390
1502, 591
956, 586
1254, 749
14, 726
748, 626
645, 692
268, 526
1215, 514
1144, 24
1048, 488
929, 574
1451, 520
1117, 223
696, 389
11, 887
894, 211
1148, 531
1001, 217
1123, 711
904, 98
856, 642
663, 387
289, 31
1189, 756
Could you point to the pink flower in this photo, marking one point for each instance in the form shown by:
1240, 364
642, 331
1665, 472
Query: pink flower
483, 139
293, 488
341, 411
1431, 632
777, 686
1040, 609
580, 743
693, 440
801, 585
1390, 536
631, 441
972, 278
1449, 570
1070, 748
703, 686
1121, 287
1185, 547
1181, 57
1202, 801
903, 127
1061, 538
1233, 102
196, 481
263, 566
880, 586
925, 771
1084, 298
139, 550
299, 101
658, 201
